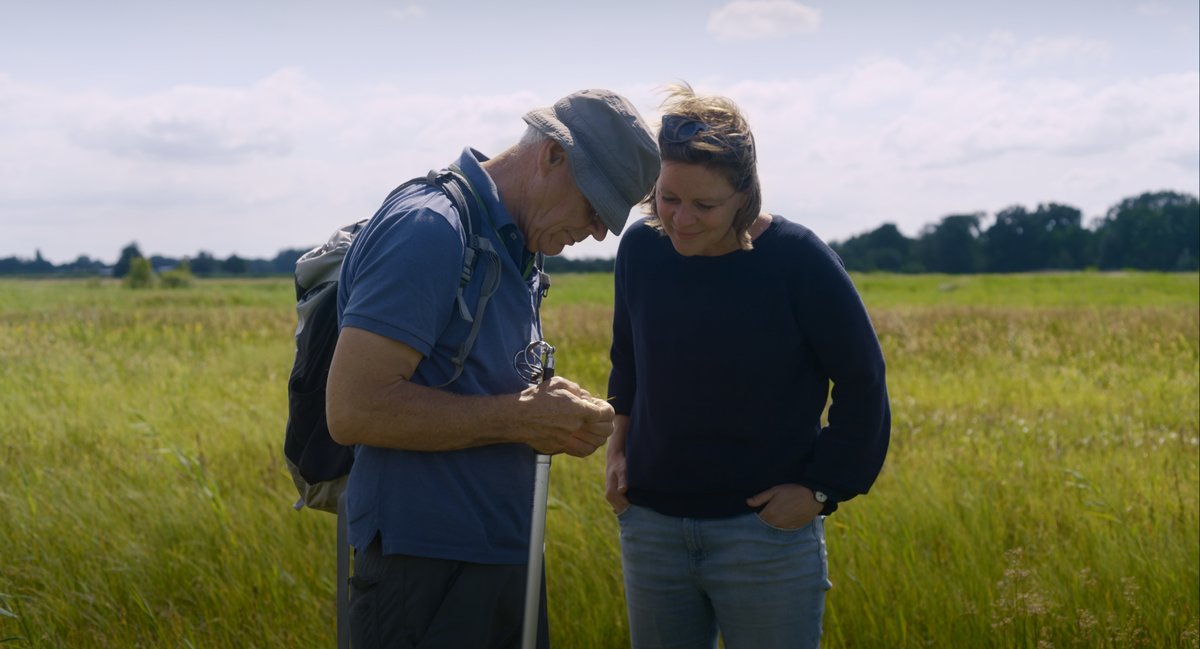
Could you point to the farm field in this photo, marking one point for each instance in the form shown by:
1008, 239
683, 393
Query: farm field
1042, 488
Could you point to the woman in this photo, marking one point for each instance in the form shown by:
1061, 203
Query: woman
729, 326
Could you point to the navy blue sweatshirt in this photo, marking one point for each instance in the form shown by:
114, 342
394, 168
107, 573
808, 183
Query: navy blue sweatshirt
724, 364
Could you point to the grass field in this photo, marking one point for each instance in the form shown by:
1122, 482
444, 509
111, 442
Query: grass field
1041, 489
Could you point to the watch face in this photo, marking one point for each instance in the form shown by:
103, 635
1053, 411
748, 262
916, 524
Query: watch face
820, 496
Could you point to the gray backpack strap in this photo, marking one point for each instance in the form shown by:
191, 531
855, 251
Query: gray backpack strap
470, 249
477, 247
491, 282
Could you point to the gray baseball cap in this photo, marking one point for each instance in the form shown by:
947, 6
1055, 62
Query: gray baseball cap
613, 154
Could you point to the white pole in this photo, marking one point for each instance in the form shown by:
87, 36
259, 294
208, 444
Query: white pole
537, 527
537, 538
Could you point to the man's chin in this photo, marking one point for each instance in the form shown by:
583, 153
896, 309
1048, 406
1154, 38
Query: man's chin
554, 249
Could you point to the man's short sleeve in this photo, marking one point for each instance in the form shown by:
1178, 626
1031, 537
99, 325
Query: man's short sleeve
401, 277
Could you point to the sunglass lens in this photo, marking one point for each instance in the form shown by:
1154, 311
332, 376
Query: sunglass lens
678, 130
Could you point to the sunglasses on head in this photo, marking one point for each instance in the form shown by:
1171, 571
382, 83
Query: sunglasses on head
677, 129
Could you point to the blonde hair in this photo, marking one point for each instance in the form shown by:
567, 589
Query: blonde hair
725, 145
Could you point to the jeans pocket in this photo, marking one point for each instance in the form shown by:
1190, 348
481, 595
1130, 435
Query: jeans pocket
786, 530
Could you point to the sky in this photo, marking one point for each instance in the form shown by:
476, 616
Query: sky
247, 127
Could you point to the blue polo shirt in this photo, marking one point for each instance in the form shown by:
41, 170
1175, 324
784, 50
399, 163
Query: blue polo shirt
400, 280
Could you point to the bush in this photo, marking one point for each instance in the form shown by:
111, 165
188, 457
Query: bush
140, 274
178, 277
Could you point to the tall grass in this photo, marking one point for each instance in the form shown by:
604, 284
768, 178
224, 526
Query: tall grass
1041, 489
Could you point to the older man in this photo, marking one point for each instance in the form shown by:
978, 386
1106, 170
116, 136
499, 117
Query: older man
440, 493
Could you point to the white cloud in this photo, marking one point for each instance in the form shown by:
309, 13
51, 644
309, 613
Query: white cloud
190, 124
1044, 51
274, 164
1002, 49
281, 162
184, 139
844, 155
407, 12
874, 82
748, 20
1153, 9
959, 119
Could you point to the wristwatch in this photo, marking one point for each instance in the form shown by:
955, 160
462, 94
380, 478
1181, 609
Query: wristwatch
820, 496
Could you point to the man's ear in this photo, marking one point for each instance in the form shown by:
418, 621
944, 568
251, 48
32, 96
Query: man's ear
551, 155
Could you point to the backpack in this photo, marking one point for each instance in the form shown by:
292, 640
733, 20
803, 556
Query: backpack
320, 466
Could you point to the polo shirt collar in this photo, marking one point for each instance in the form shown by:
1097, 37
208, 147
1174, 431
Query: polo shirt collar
510, 235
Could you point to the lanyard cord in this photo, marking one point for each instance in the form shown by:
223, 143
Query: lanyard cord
543, 287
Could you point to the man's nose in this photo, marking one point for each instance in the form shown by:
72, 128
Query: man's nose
598, 231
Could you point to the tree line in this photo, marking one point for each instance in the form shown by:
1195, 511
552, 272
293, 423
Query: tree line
1152, 231
204, 264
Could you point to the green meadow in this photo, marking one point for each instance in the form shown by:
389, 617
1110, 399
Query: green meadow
1041, 489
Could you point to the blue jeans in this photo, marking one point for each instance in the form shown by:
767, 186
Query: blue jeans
686, 579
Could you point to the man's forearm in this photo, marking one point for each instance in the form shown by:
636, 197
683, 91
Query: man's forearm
405, 415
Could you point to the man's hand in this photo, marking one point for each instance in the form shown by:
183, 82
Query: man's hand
787, 506
371, 401
565, 418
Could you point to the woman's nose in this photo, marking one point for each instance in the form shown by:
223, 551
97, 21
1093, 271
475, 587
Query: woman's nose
682, 216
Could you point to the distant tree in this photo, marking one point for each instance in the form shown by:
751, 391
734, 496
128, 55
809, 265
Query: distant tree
1006, 246
204, 264
128, 254
234, 265
586, 265
83, 265
1063, 243
285, 261
884, 248
160, 263
260, 267
952, 246
140, 274
39, 265
1050, 237
1153, 231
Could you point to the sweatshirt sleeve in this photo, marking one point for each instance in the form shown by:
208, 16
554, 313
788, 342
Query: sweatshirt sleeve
622, 383
850, 451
